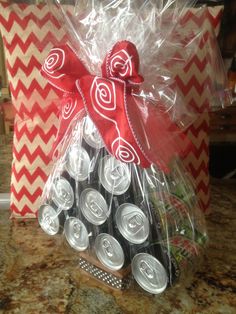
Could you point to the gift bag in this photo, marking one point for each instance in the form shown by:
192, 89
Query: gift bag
190, 81
118, 193
28, 32
33, 135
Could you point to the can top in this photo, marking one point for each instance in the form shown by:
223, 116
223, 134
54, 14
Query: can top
109, 251
76, 234
114, 175
62, 193
132, 223
91, 134
149, 273
78, 162
93, 206
48, 219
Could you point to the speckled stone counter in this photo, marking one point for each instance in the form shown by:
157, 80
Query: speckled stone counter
40, 274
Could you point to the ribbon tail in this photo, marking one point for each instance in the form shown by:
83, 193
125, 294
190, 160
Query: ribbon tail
105, 102
159, 137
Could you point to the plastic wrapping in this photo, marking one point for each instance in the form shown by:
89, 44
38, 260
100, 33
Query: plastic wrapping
159, 32
118, 193
122, 219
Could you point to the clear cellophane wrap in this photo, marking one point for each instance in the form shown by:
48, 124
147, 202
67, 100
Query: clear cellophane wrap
118, 192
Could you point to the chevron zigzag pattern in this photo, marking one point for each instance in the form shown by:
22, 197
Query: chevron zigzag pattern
197, 160
29, 31
206, 19
193, 82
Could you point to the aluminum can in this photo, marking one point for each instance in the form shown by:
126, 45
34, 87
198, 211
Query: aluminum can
109, 251
149, 273
179, 256
173, 218
114, 175
49, 220
62, 194
78, 162
184, 251
192, 233
182, 189
173, 213
132, 223
91, 134
76, 234
114, 202
93, 206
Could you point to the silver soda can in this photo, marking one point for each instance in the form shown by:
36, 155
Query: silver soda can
78, 163
109, 251
76, 234
49, 220
62, 194
93, 206
114, 175
132, 223
91, 134
149, 273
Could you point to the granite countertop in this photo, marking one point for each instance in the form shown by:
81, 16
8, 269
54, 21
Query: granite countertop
40, 274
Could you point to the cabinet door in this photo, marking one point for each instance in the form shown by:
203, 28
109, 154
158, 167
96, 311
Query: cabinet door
227, 36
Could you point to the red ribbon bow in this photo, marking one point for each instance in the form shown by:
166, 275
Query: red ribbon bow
132, 130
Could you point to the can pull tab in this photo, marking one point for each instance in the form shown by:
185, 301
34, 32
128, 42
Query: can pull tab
107, 247
135, 223
48, 221
95, 208
64, 195
80, 164
77, 230
148, 272
117, 174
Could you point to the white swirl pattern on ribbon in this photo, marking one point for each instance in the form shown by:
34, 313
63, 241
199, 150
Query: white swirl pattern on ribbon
106, 101
68, 108
54, 62
105, 97
121, 62
124, 151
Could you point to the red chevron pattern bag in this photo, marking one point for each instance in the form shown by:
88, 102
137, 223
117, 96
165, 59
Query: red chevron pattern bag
191, 81
27, 33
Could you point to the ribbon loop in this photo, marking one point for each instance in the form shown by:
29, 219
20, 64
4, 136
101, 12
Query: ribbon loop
62, 68
103, 97
122, 62
132, 130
